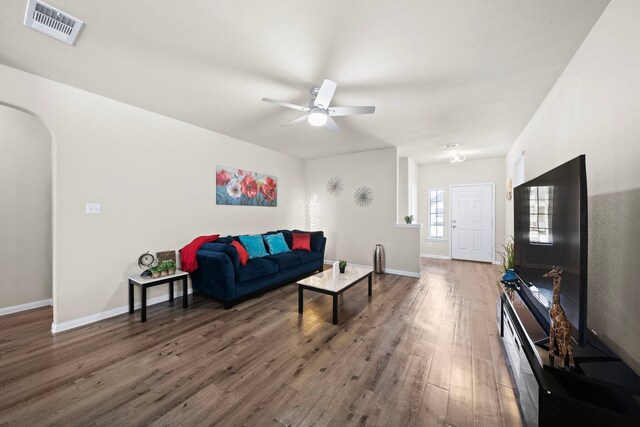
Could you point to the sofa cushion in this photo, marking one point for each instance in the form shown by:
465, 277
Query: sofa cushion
305, 256
254, 245
226, 239
256, 268
276, 243
301, 241
213, 246
317, 238
287, 236
242, 252
285, 260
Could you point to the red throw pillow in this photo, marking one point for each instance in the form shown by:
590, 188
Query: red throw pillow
301, 241
242, 252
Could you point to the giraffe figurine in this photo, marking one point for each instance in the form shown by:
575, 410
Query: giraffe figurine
560, 331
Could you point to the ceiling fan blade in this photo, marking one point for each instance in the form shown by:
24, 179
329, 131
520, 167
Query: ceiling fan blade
294, 121
332, 125
348, 111
286, 104
325, 94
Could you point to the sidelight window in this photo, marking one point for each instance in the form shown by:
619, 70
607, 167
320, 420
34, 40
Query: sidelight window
436, 214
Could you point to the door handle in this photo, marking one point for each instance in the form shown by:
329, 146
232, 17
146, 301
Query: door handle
453, 226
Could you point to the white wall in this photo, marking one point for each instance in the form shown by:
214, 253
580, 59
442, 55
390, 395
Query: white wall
594, 109
25, 209
155, 179
446, 174
353, 231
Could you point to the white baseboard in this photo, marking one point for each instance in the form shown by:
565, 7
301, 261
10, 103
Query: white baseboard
27, 306
435, 256
386, 270
402, 272
82, 321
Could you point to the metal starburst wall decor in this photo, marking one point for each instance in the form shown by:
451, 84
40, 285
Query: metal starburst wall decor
363, 196
334, 186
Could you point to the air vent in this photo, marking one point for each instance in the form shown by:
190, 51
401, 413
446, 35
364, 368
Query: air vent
51, 21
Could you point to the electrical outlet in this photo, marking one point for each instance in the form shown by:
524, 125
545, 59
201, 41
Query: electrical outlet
93, 208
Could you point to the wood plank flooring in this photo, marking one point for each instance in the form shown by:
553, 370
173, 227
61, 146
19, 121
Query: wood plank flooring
419, 352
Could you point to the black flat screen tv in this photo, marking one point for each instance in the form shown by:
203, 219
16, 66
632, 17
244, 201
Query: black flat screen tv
550, 229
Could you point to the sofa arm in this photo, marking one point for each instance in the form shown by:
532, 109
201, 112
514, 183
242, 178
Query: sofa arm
324, 244
215, 275
224, 248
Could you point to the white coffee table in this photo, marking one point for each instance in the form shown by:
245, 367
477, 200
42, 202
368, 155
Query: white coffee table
326, 283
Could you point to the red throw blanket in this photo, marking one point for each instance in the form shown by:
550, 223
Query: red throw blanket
188, 253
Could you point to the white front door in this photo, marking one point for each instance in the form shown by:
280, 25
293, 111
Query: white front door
472, 222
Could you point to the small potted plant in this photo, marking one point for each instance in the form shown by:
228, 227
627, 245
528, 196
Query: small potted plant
342, 265
163, 268
171, 267
408, 219
508, 261
155, 272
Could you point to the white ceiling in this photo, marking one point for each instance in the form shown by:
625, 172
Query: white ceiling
438, 72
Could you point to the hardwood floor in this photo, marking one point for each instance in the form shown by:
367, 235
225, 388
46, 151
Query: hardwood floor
420, 352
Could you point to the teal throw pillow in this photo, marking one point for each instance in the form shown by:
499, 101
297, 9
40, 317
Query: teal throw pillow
254, 245
276, 243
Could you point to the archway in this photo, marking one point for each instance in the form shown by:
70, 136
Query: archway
26, 211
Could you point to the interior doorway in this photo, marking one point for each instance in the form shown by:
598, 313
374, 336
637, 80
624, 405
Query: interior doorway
473, 222
26, 215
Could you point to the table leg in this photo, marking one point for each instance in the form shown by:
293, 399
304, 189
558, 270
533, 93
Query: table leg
185, 293
171, 291
130, 297
300, 299
370, 288
335, 309
143, 310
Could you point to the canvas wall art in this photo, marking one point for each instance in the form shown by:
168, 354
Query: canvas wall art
245, 188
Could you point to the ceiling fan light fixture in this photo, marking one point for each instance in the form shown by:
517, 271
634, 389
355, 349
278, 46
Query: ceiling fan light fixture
319, 113
457, 157
317, 117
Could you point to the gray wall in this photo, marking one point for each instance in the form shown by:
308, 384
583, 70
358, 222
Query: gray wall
594, 109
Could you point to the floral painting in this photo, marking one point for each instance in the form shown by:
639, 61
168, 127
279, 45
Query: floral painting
241, 187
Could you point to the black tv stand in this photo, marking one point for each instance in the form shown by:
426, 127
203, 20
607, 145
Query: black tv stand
593, 341
605, 357
543, 343
600, 390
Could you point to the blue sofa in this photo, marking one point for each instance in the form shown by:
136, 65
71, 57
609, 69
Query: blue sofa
221, 276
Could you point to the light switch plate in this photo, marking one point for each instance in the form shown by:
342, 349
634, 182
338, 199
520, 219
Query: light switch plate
93, 208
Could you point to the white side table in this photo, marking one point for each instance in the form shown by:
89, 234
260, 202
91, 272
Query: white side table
145, 282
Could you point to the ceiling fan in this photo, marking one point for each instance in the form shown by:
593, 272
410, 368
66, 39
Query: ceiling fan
318, 112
